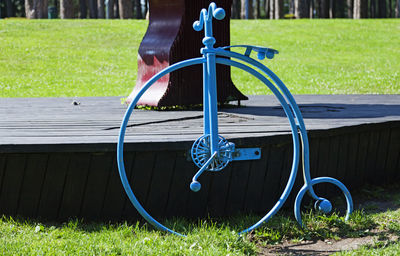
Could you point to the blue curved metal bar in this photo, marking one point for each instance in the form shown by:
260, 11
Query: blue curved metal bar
197, 175
296, 143
120, 147
202, 169
305, 188
293, 105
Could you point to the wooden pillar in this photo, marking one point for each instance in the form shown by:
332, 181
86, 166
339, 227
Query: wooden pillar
170, 38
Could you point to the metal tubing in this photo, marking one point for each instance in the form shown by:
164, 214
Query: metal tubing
120, 147
306, 187
206, 113
197, 175
296, 147
293, 105
213, 107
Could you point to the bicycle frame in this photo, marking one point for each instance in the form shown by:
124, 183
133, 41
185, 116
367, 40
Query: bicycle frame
211, 151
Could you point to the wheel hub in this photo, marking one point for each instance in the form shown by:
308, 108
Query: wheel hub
201, 152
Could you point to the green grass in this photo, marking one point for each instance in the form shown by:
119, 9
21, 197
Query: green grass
74, 238
327, 56
209, 237
57, 58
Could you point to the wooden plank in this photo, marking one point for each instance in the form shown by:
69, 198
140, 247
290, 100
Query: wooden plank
362, 156
342, 161
352, 173
258, 172
31, 186
332, 171
314, 157
199, 204
180, 190
140, 178
380, 162
393, 154
115, 197
53, 186
270, 193
74, 188
3, 160
218, 191
95, 187
34, 122
323, 164
371, 174
11, 183
237, 187
160, 183
93, 125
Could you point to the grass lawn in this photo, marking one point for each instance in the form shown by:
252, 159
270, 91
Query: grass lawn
40, 58
371, 220
54, 58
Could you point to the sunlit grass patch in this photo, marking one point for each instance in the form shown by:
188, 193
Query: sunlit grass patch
55, 58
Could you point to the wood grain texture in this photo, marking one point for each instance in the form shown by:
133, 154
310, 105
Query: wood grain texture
75, 185
160, 184
115, 196
53, 186
11, 184
31, 185
237, 187
96, 120
58, 166
255, 184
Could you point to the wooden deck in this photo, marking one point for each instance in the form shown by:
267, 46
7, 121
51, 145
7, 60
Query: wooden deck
57, 155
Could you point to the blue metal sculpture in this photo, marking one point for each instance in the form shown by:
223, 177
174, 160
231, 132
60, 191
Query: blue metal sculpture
211, 152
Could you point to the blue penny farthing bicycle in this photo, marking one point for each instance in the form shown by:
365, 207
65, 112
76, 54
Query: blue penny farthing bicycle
211, 152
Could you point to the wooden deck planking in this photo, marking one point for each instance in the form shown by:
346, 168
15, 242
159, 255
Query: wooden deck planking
31, 184
72, 149
96, 120
342, 160
218, 191
394, 154
74, 187
182, 176
271, 183
237, 187
96, 185
200, 203
160, 184
258, 171
140, 179
372, 157
11, 183
115, 197
53, 186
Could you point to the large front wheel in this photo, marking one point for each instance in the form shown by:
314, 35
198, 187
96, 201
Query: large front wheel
273, 84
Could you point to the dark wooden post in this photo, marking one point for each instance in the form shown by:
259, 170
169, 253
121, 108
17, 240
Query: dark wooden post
170, 38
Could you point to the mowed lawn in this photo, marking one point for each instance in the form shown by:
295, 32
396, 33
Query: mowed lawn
54, 58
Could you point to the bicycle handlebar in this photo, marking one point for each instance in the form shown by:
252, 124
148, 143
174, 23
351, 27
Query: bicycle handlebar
217, 12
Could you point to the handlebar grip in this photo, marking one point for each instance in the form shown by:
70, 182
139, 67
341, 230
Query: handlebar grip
219, 13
